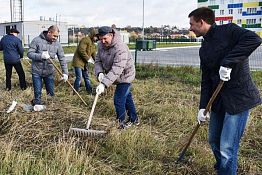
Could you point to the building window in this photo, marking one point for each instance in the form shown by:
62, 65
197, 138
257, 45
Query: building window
230, 11
251, 10
212, 2
239, 21
231, 1
239, 11
222, 12
220, 22
222, 1
251, 21
229, 21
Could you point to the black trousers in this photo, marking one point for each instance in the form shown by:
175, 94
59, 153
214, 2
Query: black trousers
21, 74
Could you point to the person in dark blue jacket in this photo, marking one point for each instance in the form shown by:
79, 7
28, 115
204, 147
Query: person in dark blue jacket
224, 56
13, 51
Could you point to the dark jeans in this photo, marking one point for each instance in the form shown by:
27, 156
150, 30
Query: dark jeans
21, 74
79, 73
38, 85
124, 103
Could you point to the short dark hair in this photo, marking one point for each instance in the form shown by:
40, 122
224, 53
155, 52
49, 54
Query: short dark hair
53, 29
204, 13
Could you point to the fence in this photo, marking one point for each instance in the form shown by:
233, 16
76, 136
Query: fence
179, 56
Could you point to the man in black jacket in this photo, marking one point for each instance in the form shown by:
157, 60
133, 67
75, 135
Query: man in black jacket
224, 56
13, 51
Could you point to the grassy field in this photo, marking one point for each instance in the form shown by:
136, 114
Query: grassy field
167, 103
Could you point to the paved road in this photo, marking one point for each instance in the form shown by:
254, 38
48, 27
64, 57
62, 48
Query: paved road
182, 56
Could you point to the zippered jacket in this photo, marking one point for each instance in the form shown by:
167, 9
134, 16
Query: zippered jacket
41, 66
12, 48
229, 46
115, 61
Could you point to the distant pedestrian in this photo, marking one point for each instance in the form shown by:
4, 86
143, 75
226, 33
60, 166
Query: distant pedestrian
114, 65
85, 52
41, 49
13, 51
224, 56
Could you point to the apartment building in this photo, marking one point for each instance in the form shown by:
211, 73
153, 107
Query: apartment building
245, 13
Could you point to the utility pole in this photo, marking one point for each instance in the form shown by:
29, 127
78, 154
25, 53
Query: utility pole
143, 30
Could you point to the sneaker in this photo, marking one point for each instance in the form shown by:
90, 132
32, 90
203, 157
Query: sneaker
129, 124
123, 126
136, 123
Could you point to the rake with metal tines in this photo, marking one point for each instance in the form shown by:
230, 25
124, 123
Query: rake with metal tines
88, 131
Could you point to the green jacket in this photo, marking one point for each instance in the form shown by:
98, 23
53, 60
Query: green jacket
85, 50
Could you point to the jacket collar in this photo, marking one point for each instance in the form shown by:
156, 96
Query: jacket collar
210, 31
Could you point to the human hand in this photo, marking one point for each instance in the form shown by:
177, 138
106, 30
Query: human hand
224, 73
45, 55
91, 60
64, 77
201, 117
100, 77
100, 88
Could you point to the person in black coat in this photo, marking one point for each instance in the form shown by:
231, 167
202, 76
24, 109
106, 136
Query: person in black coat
13, 51
224, 56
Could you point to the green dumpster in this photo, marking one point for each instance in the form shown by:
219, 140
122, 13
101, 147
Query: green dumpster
151, 44
141, 44
145, 44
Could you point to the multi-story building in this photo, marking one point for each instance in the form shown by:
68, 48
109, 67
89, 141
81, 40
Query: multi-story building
245, 13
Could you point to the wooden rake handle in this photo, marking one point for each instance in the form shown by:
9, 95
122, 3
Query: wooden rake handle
208, 108
92, 112
59, 71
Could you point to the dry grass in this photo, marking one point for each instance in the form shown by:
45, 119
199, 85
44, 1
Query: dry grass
167, 102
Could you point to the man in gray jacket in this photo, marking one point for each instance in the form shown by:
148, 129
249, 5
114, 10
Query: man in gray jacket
114, 65
41, 49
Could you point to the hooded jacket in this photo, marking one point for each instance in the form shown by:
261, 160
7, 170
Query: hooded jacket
12, 49
229, 46
115, 61
85, 50
41, 66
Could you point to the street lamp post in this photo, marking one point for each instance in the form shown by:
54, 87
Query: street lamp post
143, 30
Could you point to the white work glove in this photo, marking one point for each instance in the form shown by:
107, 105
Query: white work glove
12, 107
201, 117
100, 88
64, 77
91, 60
39, 107
224, 73
100, 77
45, 55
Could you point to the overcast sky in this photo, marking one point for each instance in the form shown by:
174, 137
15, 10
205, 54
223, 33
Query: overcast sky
93, 13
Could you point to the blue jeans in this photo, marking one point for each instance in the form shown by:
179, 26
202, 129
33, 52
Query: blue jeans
79, 73
38, 85
225, 132
124, 103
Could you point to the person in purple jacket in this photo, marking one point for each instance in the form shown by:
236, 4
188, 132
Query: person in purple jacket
114, 64
13, 51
